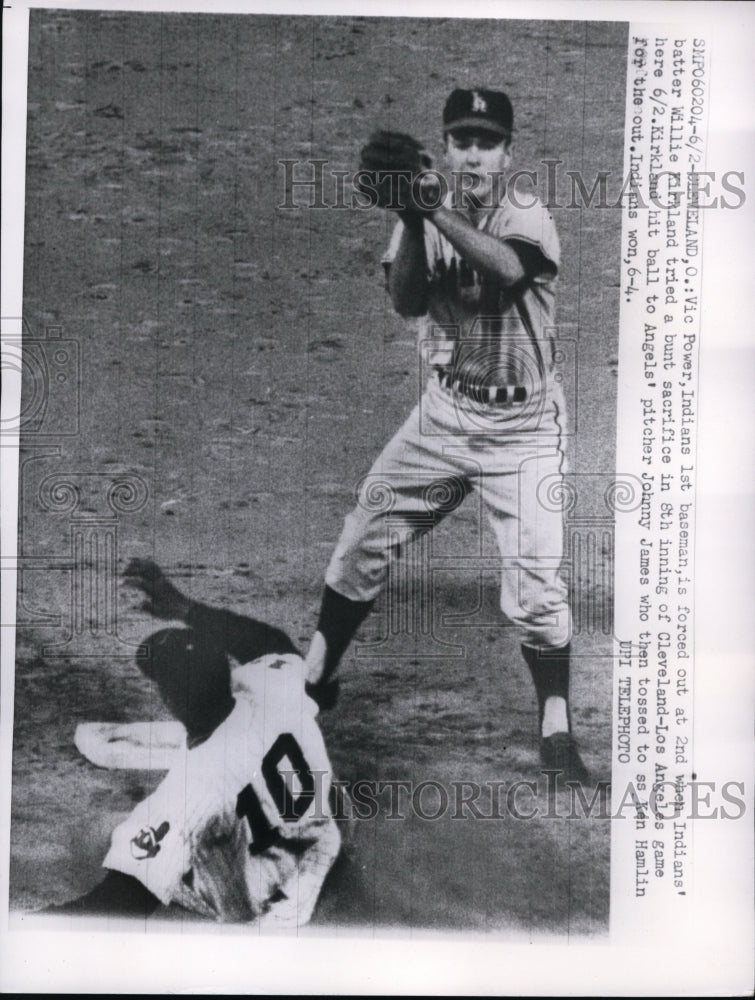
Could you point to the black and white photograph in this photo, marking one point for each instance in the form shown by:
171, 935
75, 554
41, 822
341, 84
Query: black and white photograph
323, 499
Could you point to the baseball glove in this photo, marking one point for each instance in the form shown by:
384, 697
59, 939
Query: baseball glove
389, 167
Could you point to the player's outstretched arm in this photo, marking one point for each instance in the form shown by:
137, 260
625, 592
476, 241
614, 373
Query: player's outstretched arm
244, 638
162, 599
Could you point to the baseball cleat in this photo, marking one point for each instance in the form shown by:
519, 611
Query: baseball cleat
324, 694
559, 753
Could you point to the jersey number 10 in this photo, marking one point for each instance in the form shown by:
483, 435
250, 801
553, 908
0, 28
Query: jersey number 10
264, 834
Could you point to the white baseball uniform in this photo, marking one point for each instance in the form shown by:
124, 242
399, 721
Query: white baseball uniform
492, 418
241, 826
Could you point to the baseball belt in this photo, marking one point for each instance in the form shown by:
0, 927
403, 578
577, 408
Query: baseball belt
492, 394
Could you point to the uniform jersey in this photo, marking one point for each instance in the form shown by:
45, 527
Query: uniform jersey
491, 419
241, 826
477, 328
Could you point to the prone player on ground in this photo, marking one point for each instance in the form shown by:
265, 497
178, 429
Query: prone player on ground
241, 827
479, 272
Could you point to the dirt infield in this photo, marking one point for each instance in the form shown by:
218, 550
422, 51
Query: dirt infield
232, 367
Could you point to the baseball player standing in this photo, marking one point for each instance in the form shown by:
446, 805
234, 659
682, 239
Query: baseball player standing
479, 270
241, 827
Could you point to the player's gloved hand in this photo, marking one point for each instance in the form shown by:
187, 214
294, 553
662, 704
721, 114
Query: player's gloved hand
395, 172
163, 599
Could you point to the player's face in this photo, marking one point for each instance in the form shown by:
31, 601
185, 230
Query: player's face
479, 160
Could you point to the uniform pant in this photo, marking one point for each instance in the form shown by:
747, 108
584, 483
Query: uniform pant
447, 447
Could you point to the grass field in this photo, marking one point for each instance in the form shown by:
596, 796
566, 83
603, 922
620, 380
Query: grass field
238, 366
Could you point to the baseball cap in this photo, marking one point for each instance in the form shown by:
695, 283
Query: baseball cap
191, 670
486, 109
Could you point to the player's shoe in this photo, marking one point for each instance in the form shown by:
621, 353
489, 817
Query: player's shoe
325, 694
559, 753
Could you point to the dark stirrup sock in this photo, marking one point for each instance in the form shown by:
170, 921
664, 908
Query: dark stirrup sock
550, 673
339, 620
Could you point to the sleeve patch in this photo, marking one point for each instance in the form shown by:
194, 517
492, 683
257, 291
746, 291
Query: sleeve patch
146, 844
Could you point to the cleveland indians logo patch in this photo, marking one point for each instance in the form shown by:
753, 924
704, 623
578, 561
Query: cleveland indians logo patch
146, 844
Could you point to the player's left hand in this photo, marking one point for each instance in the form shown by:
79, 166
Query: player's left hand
395, 172
163, 599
